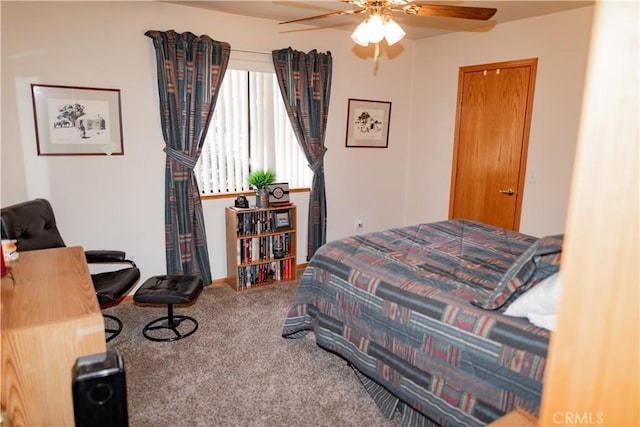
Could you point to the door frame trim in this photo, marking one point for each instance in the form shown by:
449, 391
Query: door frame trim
529, 62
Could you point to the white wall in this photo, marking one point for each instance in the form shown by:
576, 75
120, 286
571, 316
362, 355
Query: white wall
560, 42
118, 202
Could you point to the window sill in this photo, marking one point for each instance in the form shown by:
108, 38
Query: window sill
246, 193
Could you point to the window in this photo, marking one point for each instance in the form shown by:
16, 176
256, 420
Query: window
249, 130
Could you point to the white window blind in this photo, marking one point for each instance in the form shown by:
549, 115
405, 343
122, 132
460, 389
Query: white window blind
249, 130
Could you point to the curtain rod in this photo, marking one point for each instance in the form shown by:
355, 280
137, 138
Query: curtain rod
250, 51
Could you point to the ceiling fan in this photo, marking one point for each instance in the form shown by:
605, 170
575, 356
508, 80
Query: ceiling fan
379, 23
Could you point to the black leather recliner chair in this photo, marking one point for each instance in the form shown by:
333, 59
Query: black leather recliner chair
33, 225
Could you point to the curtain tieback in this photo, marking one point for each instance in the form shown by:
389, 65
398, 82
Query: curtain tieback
180, 157
317, 163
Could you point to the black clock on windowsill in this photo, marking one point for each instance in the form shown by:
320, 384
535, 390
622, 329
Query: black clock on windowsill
241, 202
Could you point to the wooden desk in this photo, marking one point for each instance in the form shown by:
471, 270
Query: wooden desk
50, 316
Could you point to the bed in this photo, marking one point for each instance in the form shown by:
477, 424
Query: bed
418, 313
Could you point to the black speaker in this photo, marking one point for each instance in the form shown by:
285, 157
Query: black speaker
100, 391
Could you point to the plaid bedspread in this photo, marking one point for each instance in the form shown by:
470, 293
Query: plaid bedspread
396, 306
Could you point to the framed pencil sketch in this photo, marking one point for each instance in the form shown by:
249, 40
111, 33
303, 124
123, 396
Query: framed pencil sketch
282, 219
73, 120
368, 123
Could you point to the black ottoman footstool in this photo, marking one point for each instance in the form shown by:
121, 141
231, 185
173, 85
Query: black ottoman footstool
169, 290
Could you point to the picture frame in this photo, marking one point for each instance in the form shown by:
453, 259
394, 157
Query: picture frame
368, 123
282, 219
77, 121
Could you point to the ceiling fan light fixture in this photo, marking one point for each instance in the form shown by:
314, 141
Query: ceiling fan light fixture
360, 34
371, 30
375, 28
393, 32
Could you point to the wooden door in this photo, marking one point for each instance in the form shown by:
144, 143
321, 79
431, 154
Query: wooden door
593, 365
490, 148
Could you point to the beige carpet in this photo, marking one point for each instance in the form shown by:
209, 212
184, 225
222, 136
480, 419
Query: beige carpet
237, 370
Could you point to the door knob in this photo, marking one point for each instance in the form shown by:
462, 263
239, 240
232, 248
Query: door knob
508, 192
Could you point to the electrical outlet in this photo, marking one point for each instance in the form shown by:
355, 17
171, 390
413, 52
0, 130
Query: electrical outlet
359, 225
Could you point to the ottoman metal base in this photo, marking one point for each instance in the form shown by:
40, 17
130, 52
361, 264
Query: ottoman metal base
170, 323
111, 332
169, 290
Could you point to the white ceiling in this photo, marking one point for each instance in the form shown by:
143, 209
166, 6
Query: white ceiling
417, 27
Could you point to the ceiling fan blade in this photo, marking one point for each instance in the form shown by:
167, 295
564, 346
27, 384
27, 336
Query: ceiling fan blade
465, 12
325, 15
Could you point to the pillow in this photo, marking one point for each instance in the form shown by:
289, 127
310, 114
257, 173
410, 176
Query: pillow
547, 321
539, 261
542, 299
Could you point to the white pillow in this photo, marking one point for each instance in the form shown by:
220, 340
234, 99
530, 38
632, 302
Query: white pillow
547, 321
542, 299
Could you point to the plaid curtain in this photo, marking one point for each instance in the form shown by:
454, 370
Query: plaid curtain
305, 84
190, 71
